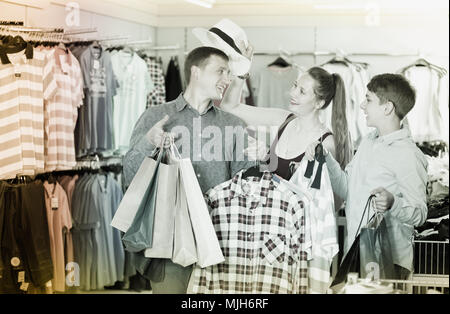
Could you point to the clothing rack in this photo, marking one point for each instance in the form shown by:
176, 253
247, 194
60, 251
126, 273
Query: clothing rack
96, 162
44, 34
329, 53
173, 47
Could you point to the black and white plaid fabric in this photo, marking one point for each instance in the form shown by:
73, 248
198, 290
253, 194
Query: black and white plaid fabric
158, 95
260, 225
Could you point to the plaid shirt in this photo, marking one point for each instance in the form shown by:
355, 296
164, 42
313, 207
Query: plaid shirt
260, 226
158, 95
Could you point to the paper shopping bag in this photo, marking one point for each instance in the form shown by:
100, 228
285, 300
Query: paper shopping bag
208, 247
164, 223
184, 251
133, 196
375, 250
139, 235
351, 261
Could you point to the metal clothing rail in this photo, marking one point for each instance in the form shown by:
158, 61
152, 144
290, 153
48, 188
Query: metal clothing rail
329, 53
174, 47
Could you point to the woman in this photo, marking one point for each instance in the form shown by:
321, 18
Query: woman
300, 124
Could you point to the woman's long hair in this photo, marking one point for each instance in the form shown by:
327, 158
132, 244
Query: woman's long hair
330, 87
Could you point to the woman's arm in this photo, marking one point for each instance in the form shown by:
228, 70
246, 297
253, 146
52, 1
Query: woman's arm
252, 116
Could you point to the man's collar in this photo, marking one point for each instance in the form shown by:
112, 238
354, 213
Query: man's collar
181, 103
4, 53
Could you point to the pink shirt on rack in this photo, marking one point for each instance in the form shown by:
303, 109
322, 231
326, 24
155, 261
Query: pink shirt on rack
58, 218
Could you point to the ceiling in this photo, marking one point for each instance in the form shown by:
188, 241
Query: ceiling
239, 7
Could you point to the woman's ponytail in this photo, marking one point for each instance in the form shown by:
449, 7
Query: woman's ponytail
331, 89
343, 142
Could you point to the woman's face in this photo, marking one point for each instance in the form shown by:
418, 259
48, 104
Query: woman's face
303, 99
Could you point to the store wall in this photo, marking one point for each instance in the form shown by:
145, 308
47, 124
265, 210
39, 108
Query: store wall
55, 15
431, 41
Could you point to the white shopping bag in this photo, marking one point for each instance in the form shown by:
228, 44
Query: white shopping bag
132, 198
208, 247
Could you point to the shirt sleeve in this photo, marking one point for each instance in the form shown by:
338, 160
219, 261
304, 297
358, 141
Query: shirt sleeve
338, 177
49, 82
410, 198
77, 84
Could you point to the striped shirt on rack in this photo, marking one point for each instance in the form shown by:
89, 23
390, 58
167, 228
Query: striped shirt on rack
26, 80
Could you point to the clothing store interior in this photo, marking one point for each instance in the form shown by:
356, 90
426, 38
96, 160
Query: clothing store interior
87, 206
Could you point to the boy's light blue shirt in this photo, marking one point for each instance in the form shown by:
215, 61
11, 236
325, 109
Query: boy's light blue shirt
394, 162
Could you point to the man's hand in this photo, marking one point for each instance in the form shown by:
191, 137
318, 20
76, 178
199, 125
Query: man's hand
156, 134
383, 199
256, 150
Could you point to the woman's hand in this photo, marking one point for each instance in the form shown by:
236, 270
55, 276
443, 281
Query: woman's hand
247, 51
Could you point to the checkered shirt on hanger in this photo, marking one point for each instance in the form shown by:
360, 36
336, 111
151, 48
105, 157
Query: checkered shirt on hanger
260, 226
158, 95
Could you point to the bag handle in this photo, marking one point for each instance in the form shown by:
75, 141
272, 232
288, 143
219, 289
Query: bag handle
174, 150
365, 209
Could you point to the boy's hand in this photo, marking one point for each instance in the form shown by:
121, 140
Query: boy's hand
383, 199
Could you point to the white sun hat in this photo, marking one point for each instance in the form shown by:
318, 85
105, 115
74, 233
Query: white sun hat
227, 36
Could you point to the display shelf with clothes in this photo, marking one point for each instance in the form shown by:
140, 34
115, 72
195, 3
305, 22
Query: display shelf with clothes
261, 229
97, 246
429, 118
50, 76
26, 262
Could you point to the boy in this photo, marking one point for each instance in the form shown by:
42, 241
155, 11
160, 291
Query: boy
388, 165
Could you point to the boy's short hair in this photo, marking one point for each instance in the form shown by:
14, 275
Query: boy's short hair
396, 89
198, 57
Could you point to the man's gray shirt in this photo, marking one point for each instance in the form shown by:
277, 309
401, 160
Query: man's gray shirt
213, 140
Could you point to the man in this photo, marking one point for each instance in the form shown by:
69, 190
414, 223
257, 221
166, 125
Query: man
389, 165
210, 137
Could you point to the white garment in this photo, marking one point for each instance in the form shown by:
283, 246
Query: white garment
320, 222
428, 120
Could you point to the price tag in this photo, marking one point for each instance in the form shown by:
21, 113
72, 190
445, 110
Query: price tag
96, 64
21, 276
54, 202
24, 286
